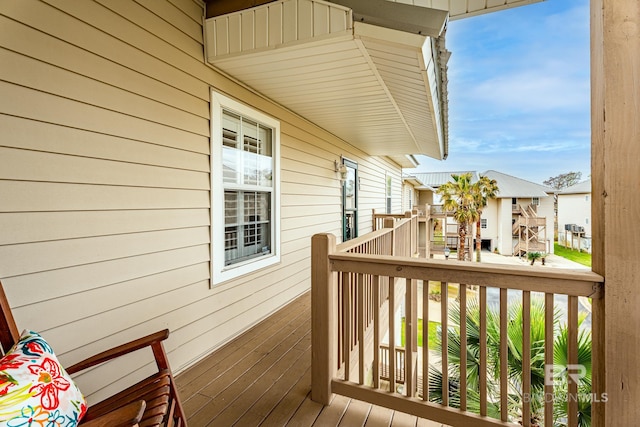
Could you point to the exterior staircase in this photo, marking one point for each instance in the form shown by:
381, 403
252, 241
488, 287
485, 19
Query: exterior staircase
529, 231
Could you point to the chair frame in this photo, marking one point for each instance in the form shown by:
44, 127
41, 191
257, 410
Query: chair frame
130, 406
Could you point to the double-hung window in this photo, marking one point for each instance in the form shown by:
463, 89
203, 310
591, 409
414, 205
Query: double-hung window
245, 195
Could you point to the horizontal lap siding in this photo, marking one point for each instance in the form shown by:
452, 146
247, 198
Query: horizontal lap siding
104, 184
104, 175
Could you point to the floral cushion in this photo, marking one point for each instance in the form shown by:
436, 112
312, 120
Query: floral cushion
35, 390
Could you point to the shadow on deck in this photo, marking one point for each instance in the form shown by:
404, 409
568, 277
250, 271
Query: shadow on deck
263, 377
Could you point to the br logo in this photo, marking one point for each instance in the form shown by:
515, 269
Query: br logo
557, 374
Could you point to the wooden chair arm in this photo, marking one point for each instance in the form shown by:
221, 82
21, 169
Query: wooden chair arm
153, 340
127, 416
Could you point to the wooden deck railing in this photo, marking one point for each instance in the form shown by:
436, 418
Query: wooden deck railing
347, 279
405, 231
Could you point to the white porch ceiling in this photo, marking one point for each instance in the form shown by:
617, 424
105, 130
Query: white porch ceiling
459, 9
374, 87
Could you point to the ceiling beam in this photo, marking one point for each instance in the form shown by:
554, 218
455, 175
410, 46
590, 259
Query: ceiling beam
398, 16
222, 7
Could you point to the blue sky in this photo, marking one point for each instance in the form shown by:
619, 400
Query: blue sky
519, 92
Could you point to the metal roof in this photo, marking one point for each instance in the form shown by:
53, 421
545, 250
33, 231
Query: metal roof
511, 186
583, 187
436, 179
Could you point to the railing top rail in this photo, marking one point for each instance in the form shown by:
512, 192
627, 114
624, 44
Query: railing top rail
386, 215
531, 278
402, 221
358, 241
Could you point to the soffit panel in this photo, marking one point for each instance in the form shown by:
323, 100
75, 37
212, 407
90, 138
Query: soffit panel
459, 9
365, 84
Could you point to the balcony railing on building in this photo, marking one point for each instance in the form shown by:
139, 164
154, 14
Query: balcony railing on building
359, 350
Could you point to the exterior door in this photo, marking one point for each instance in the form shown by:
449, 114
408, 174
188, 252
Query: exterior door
350, 201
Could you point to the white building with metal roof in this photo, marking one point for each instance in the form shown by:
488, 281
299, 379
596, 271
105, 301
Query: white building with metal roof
519, 220
574, 215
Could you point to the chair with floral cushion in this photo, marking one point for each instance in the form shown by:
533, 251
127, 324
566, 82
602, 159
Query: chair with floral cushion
36, 390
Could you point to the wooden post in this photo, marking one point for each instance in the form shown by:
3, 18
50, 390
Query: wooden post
414, 235
615, 148
374, 220
323, 290
391, 223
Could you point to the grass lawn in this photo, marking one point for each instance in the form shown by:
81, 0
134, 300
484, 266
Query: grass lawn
434, 287
572, 255
432, 334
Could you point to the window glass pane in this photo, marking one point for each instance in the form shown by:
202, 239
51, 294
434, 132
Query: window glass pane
250, 149
247, 225
350, 189
230, 129
230, 154
265, 157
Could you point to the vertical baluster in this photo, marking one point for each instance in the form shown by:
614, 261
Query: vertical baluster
410, 335
392, 335
444, 319
354, 311
548, 358
483, 351
425, 340
597, 358
340, 313
526, 358
361, 340
462, 289
376, 331
346, 323
369, 300
504, 414
572, 357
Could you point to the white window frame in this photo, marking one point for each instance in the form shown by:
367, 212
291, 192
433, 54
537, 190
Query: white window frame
483, 223
219, 272
388, 193
535, 201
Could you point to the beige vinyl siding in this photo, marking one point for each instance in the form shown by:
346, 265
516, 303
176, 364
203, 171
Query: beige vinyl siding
104, 184
409, 197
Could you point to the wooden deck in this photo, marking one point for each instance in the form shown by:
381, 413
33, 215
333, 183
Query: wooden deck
264, 378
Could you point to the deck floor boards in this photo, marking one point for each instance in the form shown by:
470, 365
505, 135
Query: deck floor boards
263, 378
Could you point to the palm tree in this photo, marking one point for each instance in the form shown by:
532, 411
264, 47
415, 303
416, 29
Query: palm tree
533, 256
514, 362
467, 200
483, 190
458, 197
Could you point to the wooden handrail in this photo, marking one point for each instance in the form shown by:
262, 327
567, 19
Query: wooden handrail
533, 278
350, 245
